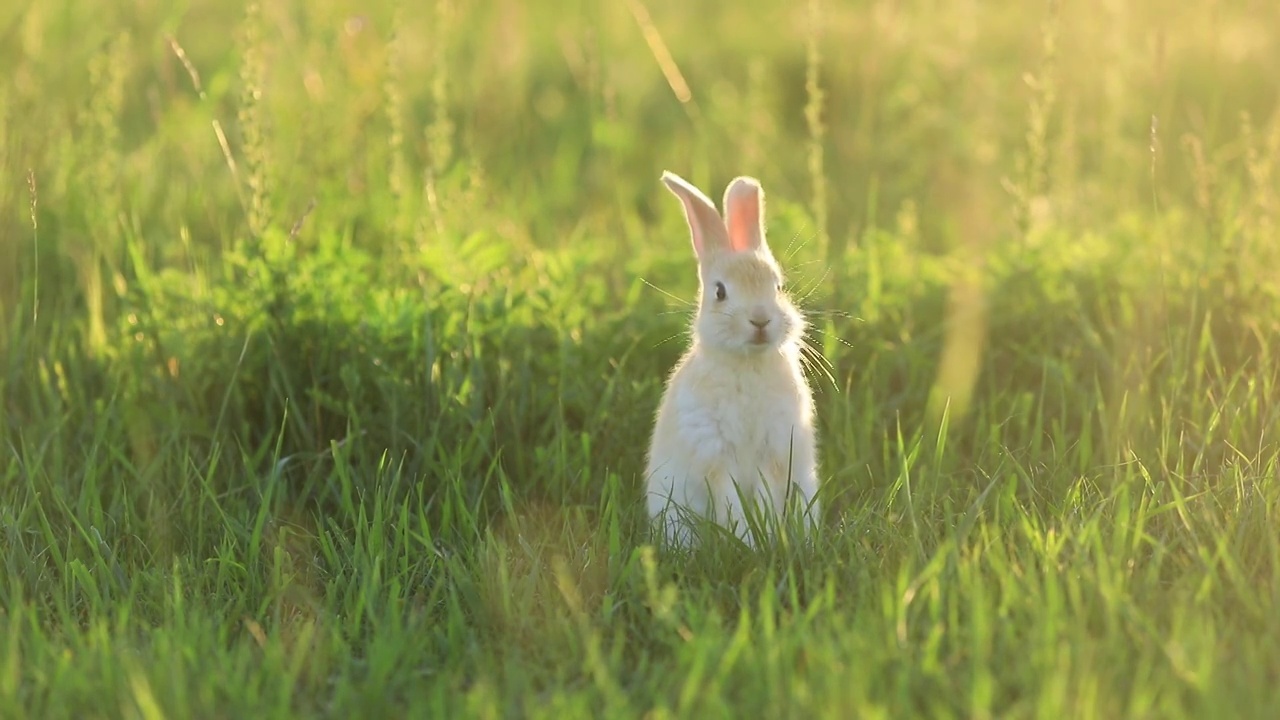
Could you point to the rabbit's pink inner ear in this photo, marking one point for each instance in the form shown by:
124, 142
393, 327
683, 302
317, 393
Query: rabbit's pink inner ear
695, 226
705, 225
744, 214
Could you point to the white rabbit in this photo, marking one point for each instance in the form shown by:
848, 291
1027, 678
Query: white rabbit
736, 423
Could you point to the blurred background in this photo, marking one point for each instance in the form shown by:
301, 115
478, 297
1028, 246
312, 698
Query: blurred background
965, 116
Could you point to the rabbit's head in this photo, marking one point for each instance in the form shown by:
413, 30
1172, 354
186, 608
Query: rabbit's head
742, 308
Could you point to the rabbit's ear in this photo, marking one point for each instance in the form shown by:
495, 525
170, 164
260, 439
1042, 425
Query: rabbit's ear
744, 214
705, 225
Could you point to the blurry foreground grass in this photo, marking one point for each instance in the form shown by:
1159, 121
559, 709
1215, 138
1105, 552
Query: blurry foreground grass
332, 333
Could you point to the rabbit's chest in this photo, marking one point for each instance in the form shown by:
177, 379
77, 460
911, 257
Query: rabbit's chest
757, 422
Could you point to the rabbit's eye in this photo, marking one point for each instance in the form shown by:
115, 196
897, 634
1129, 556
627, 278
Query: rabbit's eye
720, 293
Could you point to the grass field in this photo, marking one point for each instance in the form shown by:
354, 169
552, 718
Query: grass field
332, 333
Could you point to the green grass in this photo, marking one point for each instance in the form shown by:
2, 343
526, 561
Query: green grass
327, 362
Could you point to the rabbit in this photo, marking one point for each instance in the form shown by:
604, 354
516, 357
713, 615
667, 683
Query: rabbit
735, 426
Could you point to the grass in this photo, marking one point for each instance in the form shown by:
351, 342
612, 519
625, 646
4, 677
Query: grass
331, 335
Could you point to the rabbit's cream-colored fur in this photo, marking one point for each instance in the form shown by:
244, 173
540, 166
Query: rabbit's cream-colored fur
735, 427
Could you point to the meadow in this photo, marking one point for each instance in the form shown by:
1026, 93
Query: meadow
331, 335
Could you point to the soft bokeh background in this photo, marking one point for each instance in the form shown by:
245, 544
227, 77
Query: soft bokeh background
331, 334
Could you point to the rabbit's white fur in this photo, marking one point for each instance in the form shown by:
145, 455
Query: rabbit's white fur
736, 423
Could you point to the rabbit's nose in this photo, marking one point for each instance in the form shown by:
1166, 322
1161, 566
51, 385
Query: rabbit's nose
760, 323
